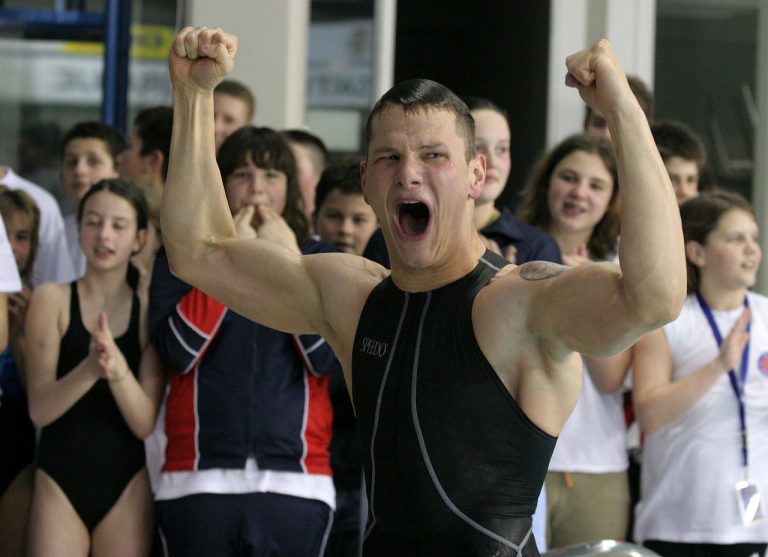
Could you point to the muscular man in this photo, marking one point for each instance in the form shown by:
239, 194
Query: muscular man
461, 373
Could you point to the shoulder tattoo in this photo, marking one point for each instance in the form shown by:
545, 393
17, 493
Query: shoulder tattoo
540, 270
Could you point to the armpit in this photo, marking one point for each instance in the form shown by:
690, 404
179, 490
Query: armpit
540, 270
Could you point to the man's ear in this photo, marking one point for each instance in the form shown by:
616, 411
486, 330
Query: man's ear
694, 251
363, 168
477, 167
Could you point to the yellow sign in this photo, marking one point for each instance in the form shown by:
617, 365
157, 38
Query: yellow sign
148, 42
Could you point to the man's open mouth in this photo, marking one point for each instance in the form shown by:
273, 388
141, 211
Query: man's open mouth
413, 217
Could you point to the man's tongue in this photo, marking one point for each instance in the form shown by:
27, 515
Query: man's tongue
414, 218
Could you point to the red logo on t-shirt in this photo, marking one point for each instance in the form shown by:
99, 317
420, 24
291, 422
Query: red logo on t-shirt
762, 363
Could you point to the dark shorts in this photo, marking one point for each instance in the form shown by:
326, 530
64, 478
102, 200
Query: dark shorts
253, 524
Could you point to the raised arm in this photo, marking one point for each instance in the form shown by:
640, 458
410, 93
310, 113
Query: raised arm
619, 305
264, 282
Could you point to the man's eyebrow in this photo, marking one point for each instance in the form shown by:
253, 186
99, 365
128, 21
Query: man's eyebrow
439, 145
381, 150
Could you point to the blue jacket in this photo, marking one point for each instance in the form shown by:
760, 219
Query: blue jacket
238, 389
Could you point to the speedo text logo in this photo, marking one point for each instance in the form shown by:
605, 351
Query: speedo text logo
373, 347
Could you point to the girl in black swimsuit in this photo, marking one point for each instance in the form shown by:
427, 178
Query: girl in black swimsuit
95, 396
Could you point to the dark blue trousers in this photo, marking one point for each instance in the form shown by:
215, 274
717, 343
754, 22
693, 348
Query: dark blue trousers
246, 525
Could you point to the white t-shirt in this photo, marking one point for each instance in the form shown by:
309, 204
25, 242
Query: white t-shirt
52, 263
594, 438
9, 275
691, 465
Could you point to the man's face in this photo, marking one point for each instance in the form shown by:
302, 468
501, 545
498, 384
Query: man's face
87, 160
420, 184
229, 115
131, 164
684, 175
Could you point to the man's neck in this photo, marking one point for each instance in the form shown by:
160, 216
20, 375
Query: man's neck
485, 214
422, 279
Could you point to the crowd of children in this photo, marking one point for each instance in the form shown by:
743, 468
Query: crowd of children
139, 415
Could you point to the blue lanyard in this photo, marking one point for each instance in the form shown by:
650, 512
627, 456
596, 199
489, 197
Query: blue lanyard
738, 387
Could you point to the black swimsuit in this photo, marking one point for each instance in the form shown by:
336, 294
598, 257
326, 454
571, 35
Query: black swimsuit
89, 451
453, 465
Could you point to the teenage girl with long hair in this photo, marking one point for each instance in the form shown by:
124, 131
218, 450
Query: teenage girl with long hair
93, 392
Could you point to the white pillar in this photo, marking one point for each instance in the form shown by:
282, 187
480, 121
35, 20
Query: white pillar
567, 34
630, 25
760, 173
272, 53
384, 30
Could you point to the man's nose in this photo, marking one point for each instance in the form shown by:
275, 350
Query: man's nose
409, 173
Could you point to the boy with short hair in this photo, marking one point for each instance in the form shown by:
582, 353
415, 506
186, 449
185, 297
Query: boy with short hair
342, 217
89, 153
683, 154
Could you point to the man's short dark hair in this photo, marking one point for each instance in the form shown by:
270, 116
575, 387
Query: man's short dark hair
112, 137
676, 139
154, 126
416, 95
342, 176
240, 91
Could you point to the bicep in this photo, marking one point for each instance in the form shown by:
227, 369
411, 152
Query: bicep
264, 282
585, 308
